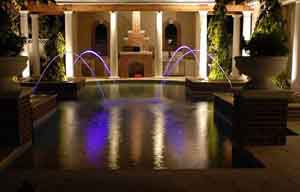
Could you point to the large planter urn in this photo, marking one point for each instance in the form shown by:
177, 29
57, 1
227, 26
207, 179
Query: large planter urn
261, 69
9, 67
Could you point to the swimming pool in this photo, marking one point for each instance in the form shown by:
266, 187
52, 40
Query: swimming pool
137, 126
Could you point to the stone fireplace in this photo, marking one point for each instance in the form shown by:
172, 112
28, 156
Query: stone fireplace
135, 60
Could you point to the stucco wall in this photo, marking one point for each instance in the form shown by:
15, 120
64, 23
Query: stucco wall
86, 22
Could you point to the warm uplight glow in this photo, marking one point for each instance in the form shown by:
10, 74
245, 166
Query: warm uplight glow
295, 77
203, 45
159, 44
25, 33
69, 43
136, 21
114, 43
246, 28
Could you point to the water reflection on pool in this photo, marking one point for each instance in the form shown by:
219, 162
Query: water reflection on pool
138, 126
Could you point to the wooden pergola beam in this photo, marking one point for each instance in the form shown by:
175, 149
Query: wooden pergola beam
53, 9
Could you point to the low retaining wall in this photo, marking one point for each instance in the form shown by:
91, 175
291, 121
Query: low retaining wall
16, 119
64, 90
257, 117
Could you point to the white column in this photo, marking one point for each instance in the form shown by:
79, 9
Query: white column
35, 52
114, 60
25, 33
246, 27
202, 72
69, 43
296, 50
236, 44
158, 67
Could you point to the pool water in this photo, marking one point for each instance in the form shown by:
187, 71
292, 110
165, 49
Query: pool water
137, 126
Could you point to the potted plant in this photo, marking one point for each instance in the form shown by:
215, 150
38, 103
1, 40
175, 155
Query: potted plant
267, 48
11, 44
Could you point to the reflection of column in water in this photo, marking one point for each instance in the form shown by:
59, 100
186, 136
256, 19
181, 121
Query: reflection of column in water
202, 119
114, 139
114, 91
136, 132
158, 137
159, 90
67, 152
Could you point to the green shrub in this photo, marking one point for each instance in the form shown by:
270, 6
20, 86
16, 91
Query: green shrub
218, 42
55, 46
11, 43
269, 37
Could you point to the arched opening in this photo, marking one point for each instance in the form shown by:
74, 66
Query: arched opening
171, 36
101, 39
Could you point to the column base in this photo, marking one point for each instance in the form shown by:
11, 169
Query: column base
114, 77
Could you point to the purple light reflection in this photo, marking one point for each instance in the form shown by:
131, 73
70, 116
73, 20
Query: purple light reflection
96, 135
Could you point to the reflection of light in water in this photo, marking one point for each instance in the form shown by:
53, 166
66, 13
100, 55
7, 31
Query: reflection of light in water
136, 134
114, 91
67, 147
96, 135
114, 138
158, 137
202, 118
159, 91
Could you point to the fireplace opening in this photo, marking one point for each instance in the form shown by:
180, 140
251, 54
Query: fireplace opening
136, 69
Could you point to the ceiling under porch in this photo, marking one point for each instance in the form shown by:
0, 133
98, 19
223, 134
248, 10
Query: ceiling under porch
130, 5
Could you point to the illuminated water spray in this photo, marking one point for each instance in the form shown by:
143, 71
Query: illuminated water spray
171, 66
79, 57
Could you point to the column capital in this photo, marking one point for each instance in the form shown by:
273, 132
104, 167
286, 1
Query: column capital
68, 12
203, 12
24, 12
236, 16
34, 16
247, 13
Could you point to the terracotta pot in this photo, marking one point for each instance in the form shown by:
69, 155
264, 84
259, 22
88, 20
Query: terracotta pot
261, 69
10, 66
